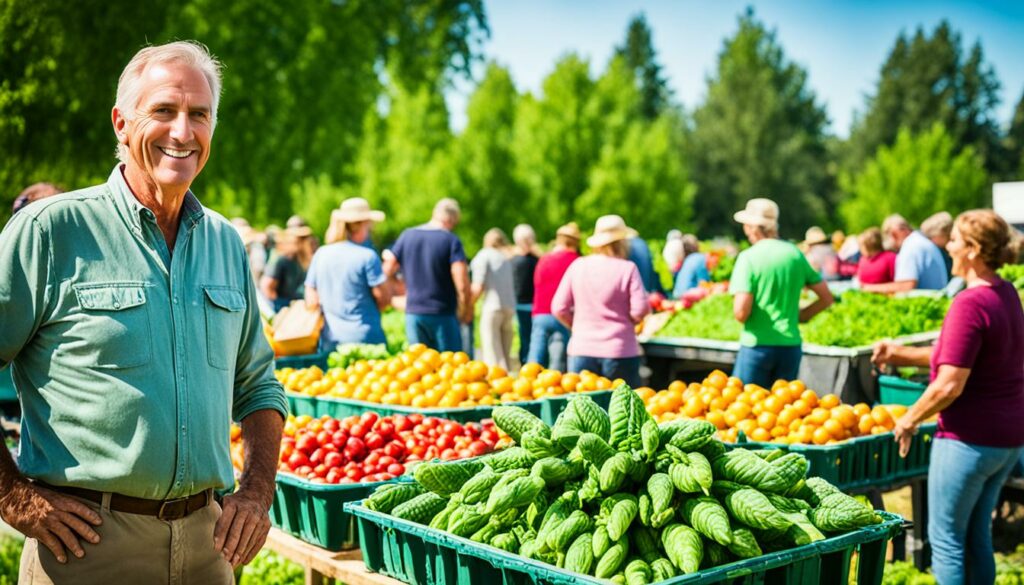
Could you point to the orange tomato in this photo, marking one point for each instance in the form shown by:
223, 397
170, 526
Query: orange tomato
834, 428
717, 379
761, 435
694, 407
747, 426
860, 409
809, 397
881, 416
845, 415
717, 418
766, 420
865, 423
787, 416
821, 436
801, 407
818, 416
829, 401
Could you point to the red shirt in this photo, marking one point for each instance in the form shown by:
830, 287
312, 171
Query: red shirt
879, 269
984, 331
550, 270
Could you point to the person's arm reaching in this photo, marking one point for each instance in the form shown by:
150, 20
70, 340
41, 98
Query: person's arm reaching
742, 306
460, 276
887, 353
312, 298
382, 295
890, 287
823, 301
943, 391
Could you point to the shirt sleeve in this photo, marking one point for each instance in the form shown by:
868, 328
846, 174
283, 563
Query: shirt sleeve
811, 276
906, 266
256, 388
457, 253
962, 333
478, 269
25, 287
702, 271
399, 247
275, 269
638, 305
374, 272
740, 280
311, 274
563, 302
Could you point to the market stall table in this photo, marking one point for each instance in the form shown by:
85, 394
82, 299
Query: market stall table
323, 566
846, 372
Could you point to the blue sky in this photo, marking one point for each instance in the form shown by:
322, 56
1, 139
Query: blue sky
841, 43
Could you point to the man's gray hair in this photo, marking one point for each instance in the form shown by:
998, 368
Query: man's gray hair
447, 209
896, 221
523, 235
940, 224
129, 86
690, 244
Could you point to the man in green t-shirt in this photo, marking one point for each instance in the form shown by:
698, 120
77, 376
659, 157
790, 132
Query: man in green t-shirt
766, 284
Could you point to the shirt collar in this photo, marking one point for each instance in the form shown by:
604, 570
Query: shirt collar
132, 211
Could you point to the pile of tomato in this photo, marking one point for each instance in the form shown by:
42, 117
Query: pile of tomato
371, 448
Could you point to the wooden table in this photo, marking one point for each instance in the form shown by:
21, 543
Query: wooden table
323, 566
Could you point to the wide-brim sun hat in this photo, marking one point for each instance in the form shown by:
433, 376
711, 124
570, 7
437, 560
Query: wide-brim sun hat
355, 210
815, 235
608, 229
569, 230
760, 212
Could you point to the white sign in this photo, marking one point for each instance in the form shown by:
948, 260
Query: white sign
1008, 201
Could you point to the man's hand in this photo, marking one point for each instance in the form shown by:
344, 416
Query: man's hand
55, 520
242, 528
882, 353
904, 433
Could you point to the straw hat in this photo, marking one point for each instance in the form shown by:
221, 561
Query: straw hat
355, 210
761, 212
569, 230
815, 235
608, 229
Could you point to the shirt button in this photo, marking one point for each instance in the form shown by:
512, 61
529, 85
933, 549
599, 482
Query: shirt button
117, 305
175, 301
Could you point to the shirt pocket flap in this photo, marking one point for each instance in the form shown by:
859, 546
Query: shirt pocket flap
110, 297
228, 299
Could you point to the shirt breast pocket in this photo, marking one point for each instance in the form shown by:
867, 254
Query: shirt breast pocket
225, 314
114, 326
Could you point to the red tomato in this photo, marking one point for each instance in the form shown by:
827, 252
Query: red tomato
394, 449
445, 441
396, 469
331, 425
317, 480
374, 440
304, 470
354, 474
318, 456
334, 476
416, 418
369, 469
386, 460
323, 437
385, 476
478, 448
373, 458
411, 443
369, 418
329, 448
489, 437
358, 430
306, 443
320, 470
386, 429
449, 454
430, 422
452, 428
349, 421
420, 452
346, 480
334, 459
339, 438
298, 459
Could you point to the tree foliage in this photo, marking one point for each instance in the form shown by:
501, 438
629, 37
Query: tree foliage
1014, 144
928, 79
918, 175
639, 54
760, 133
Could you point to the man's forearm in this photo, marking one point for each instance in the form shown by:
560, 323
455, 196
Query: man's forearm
808, 312
9, 473
261, 435
890, 287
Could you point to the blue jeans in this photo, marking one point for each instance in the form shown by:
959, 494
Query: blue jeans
764, 364
626, 368
964, 481
524, 317
545, 327
440, 332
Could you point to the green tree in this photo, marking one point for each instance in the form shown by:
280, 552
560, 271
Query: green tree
1014, 143
484, 160
555, 143
760, 133
928, 79
918, 175
643, 178
638, 51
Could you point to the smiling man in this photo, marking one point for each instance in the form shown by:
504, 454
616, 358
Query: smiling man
129, 319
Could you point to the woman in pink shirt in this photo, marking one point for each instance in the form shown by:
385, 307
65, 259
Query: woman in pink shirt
977, 390
601, 299
877, 265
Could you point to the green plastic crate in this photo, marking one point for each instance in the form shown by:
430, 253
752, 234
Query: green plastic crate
896, 390
299, 362
419, 555
550, 408
7, 391
314, 512
864, 462
300, 404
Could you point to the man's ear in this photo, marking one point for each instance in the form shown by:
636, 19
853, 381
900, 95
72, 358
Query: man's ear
120, 125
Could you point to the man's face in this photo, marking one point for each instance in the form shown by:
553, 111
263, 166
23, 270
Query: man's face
168, 136
896, 237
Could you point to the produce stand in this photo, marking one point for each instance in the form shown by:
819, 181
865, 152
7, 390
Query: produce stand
323, 566
844, 371
302, 361
419, 555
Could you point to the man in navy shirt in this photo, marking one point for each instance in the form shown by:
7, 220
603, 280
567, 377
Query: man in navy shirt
436, 273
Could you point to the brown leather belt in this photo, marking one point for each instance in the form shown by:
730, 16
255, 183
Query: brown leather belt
174, 509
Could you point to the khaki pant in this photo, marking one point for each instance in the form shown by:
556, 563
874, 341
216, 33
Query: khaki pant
496, 336
135, 549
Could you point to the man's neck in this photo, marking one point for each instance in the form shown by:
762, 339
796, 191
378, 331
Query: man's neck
165, 204
439, 225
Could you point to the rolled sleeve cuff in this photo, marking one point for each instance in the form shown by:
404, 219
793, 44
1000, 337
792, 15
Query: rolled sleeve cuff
269, 396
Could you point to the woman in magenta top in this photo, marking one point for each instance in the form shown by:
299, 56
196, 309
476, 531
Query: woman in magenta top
876, 266
977, 388
601, 299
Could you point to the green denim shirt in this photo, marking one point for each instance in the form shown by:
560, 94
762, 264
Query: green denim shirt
130, 362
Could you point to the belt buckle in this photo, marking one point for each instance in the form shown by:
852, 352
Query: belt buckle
174, 513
